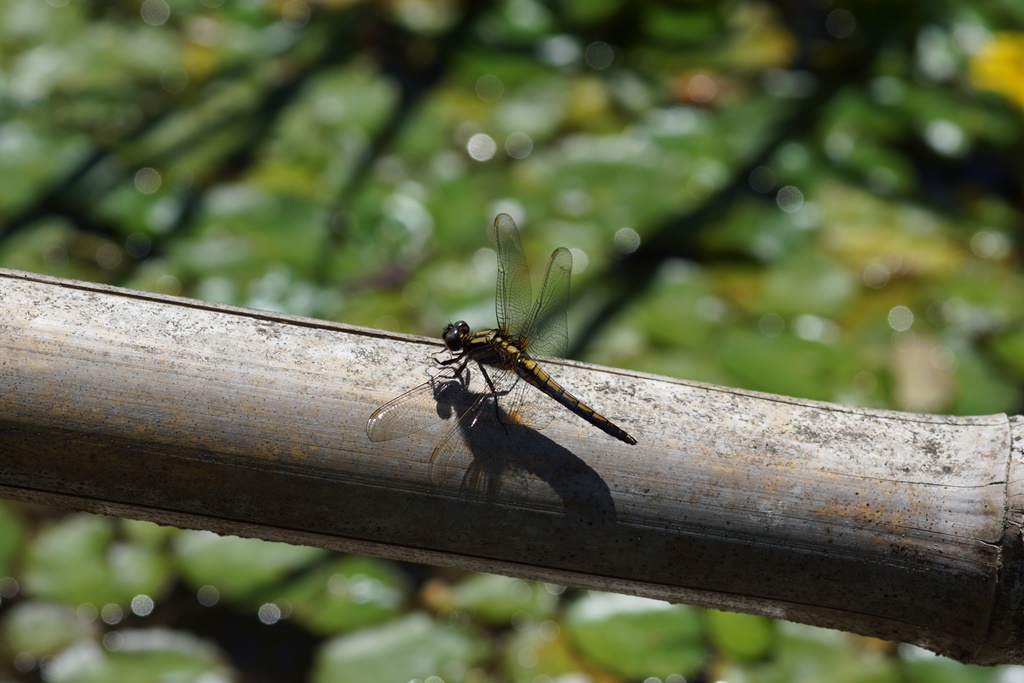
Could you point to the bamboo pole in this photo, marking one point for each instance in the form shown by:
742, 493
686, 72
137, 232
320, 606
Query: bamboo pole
895, 525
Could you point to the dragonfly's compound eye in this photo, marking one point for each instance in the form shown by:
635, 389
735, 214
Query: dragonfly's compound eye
453, 335
449, 335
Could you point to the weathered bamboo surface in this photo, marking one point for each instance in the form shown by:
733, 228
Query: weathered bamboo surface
896, 525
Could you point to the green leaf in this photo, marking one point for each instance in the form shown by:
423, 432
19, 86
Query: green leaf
743, 636
1009, 349
983, 388
922, 666
496, 599
345, 594
783, 365
41, 628
12, 535
807, 654
144, 656
636, 637
79, 560
240, 568
539, 651
411, 648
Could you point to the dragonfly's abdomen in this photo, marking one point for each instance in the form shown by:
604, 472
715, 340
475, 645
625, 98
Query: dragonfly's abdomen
529, 370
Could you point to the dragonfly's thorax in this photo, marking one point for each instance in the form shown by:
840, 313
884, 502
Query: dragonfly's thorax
508, 344
493, 347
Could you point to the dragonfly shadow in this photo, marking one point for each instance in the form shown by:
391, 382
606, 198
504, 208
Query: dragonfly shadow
491, 455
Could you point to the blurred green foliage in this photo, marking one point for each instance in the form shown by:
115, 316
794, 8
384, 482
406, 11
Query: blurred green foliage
815, 199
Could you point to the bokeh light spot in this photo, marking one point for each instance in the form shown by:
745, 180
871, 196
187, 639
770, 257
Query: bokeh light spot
518, 145
599, 55
762, 179
111, 613
702, 89
108, 256
626, 240
900, 318
269, 613
142, 605
147, 180
155, 12
945, 137
481, 147
790, 199
208, 595
489, 88
840, 23
174, 79
876, 275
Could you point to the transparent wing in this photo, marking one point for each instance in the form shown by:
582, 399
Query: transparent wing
478, 469
514, 294
453, 456
416, 409
547, 330
453, 459
527, 406
478, 457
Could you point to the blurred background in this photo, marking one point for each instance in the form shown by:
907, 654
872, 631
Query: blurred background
812, 198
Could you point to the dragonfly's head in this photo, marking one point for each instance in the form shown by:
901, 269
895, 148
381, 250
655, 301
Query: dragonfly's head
456, 335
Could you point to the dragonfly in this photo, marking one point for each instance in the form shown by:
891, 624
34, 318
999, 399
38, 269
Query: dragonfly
506, 356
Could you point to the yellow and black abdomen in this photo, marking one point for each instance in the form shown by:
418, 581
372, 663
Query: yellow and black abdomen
530, 371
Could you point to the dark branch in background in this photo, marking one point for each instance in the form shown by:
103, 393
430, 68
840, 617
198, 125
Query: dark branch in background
397, 56
58, 198
340, 47
64, 196
678, 234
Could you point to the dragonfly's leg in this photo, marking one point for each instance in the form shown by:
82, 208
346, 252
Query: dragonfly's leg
448, 361
462, 360
487, 377
494, 394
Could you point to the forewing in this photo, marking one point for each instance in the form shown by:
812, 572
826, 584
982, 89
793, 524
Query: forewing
547, 330
514, 295
415, 410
